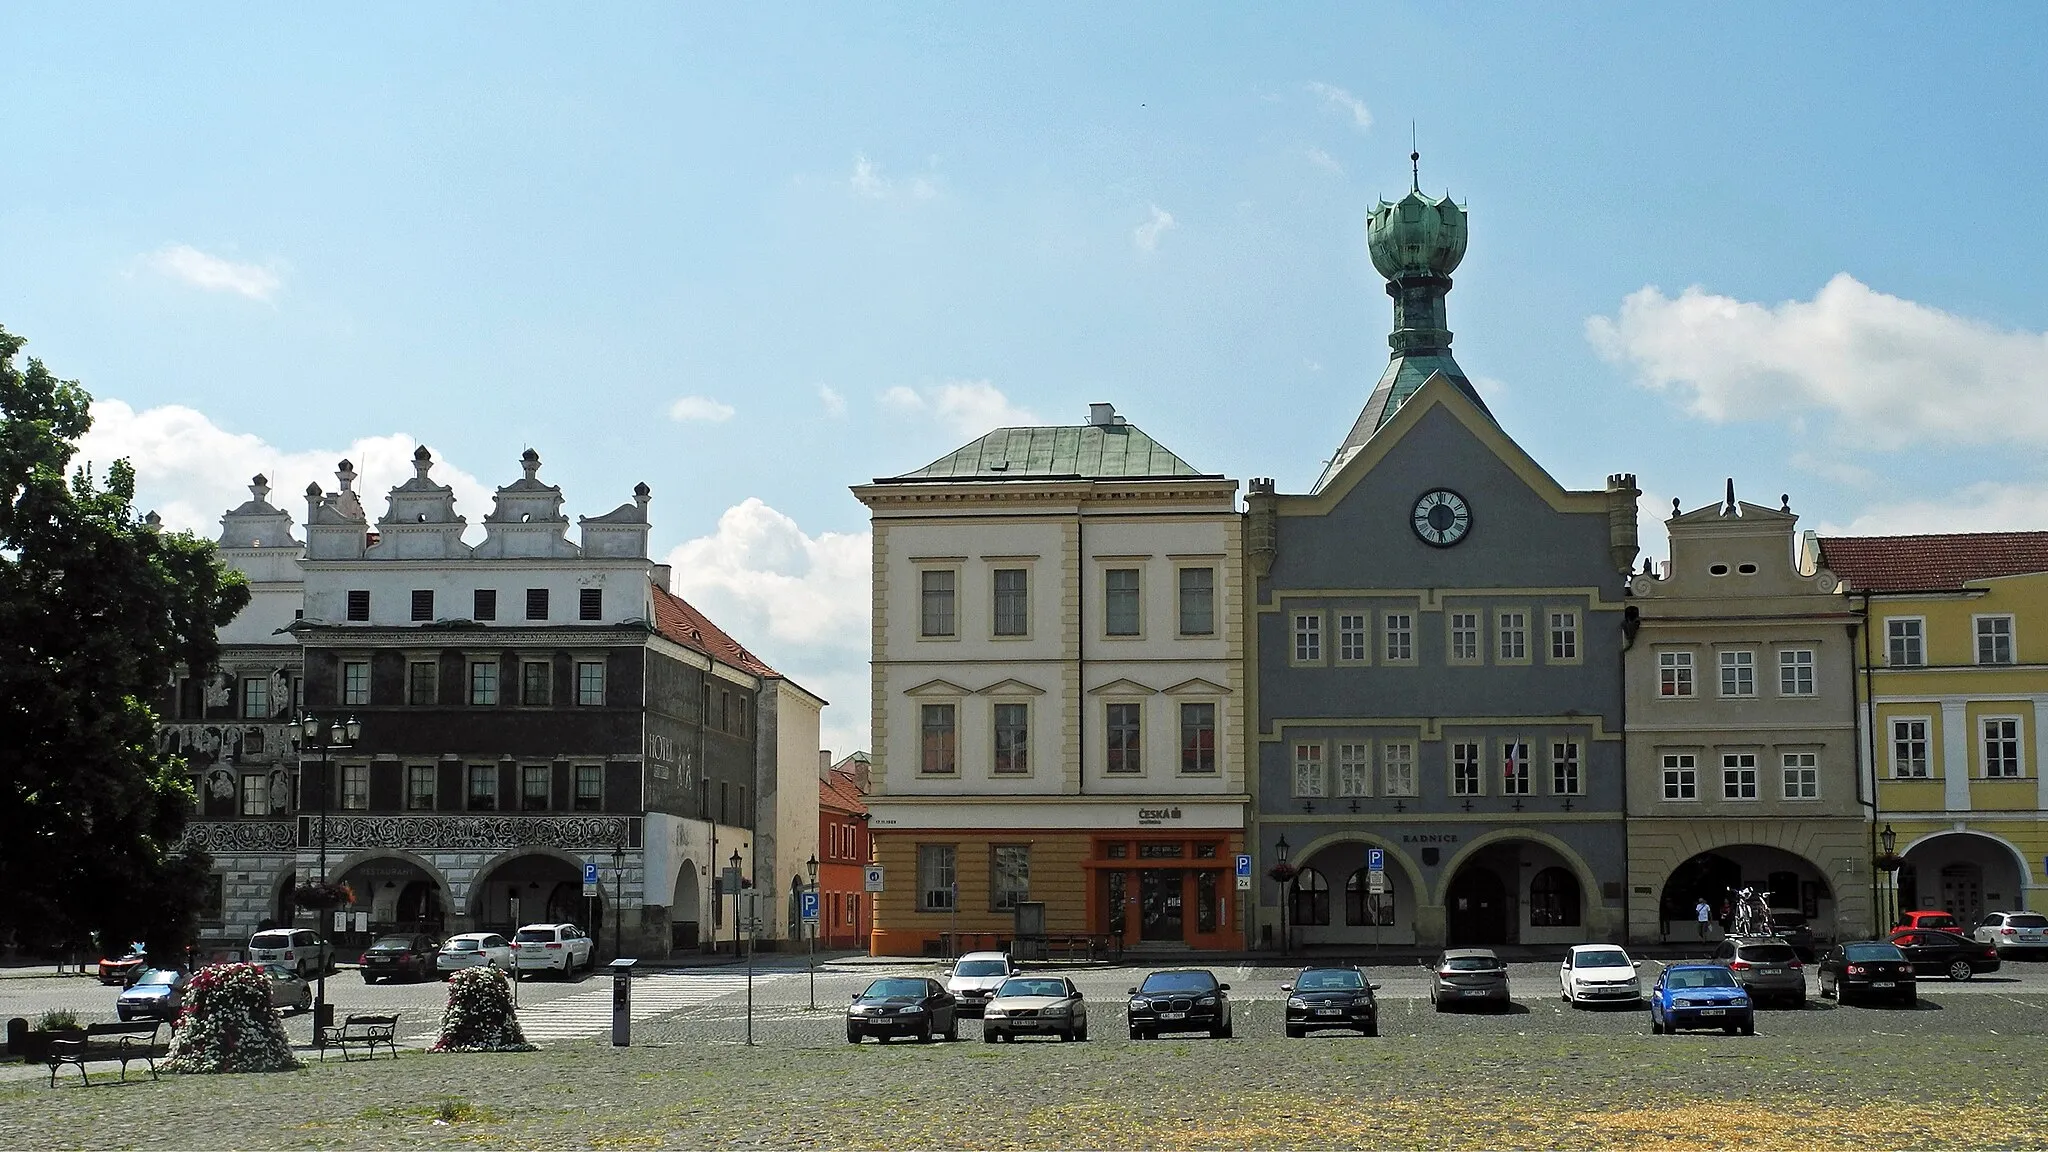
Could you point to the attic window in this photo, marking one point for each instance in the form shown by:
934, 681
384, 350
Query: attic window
1000, 466
1717, 570
423, 518
1746, 569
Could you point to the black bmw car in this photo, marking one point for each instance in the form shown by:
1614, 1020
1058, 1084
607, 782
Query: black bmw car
1182, 1000
1336, 997
903, 1006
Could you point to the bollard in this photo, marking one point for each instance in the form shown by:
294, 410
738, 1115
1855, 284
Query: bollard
622, 1002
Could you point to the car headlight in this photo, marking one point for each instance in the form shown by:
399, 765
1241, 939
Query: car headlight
1140, 1005
911, 1010
994, 1013
1296, 1002
1206, 1002
1057, 1010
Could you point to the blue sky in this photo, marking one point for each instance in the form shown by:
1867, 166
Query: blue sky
1800, 247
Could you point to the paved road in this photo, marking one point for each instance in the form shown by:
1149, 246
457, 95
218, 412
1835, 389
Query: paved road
711, 1004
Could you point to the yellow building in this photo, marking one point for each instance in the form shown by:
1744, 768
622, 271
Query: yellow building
1953, 685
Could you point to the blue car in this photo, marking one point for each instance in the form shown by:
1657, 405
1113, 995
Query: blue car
1700, 996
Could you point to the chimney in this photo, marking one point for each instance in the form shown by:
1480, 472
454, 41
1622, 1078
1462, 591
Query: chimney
1102, 415
824, 764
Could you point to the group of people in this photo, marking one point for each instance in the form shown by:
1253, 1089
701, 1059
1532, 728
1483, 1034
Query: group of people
1743, 910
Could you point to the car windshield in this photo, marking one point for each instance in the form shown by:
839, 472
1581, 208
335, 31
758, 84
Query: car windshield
1873, 952
537, 935
1470, 963
888, 989
271, 940
981, 968
1701, 978
1033, 988
398, 942
2026, 921
1768, 953
462, 945
1605, 958
1329, 980
279, 972
1178, 982
156, 978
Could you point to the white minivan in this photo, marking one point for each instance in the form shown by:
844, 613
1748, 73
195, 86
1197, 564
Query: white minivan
299, 949
558, 948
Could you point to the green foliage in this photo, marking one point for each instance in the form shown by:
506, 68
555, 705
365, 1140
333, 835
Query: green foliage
57, 1020
98, 611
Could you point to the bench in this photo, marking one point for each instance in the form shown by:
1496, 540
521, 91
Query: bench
126, 1041
360, 1031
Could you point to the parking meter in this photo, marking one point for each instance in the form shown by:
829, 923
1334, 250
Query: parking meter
622, 1002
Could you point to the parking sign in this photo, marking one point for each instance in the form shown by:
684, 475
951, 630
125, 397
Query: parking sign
1375, 860
808, 905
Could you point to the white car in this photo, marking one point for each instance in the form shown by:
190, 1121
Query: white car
299, 949
975, 978
473, 950
2013, 932
1599, 974
559, 948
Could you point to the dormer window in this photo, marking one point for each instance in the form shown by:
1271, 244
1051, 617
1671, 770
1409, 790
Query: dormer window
1746, 569
423, 604
1717, 569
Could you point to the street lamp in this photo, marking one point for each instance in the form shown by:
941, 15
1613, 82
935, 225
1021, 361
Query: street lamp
1888, 863
1283, 872
329, 735
618, 895
811, 866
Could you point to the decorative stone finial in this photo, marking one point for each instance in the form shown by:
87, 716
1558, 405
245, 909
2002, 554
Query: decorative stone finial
422, 461
642, 493
1728, 504
260, 488
153, 520
1674, 508
1784, 501
530, 461
346, 473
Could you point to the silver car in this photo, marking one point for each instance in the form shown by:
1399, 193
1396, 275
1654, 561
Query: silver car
1767, 967
2013, 933
975, 978
288, 989
1468, 976
1035, 1006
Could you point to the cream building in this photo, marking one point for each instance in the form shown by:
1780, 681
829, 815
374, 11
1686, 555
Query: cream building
1742, 731
1057, 691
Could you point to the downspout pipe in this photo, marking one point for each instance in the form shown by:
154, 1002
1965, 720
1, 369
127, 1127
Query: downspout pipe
1866, 718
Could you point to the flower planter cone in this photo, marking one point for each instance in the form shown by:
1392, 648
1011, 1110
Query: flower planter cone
228, 1025
480, 1015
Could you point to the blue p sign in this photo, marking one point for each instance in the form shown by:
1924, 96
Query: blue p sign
808, 904
1375, 860
1244, 864
590, 871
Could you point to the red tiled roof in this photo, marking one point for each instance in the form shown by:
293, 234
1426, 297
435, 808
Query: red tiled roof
838, 791
675, 618
1941, 563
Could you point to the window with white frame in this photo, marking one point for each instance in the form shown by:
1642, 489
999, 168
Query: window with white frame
1122, 731
2001, 746
1012, 739
1308, 770
1399, 634
1012, 602
1681, 776
1738, 776
1397, 768
941, 743
256, 698
355, 786
483, 682
1564, 636
1121, 609
1354, 769
936, 864
1009, 872
1994, 639
1198, 739
1905, 641
1909, 749
1464, 637
1738, 673
255, 795
1802, 776
1465, 774
1197, 601
1308, 637
1674, 674
1514, 768
1795, 672
1513, 636
936, 593
1564, 768
355, 682
590, 682
1351, 637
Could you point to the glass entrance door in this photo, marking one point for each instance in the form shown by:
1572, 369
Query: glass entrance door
1159, 903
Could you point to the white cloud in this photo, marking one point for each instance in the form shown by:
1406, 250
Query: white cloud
1343, 101
1324, 160
964, 407
798, 601
1882, 371
190, 470
835, 404
1985, 507
1146, 236
868, 181
700, 408
1491, 390
211, 273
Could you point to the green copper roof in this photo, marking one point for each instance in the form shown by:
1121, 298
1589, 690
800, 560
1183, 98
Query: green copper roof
1090, 452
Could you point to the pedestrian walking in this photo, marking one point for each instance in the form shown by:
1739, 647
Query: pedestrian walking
1703, 912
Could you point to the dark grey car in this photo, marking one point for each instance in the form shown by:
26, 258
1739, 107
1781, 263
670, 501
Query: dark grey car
1767, 966
1468, 976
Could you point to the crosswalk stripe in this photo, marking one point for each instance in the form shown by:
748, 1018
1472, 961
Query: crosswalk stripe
588, 1013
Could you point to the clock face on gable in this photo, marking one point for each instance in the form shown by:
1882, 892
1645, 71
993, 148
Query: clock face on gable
1442, 518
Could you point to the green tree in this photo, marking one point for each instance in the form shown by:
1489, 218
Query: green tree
98, 610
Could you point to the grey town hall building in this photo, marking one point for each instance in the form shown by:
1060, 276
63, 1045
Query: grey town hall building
1435, 661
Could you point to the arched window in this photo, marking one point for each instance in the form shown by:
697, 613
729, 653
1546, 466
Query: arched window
1311, 899
1361, 907
1554, 899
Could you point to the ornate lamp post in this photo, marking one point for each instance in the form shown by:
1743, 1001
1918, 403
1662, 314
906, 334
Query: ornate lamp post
1888, 863
618, 895
811, 866
328, 735
736, 861
1282, 872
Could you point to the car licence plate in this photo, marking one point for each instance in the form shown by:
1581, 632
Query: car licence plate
1883, 984
1713, 1011
1329, 1011
1173, 1015
1475, 992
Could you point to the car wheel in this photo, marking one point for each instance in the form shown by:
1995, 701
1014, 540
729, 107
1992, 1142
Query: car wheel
953, 1029
1295, 1032
1372, 1027
305, 1002
1961, 970
853, 1035
1749, 1026
1909, 1000
924, 1033
1137, 1035
1656, 1026
988, 1034
1081, 1034
1228, 1029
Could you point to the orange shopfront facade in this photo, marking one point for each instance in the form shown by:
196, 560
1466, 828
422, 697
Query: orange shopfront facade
1177, 888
